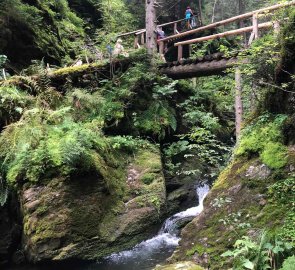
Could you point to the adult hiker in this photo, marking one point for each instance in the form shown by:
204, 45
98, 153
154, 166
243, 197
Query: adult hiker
188, 16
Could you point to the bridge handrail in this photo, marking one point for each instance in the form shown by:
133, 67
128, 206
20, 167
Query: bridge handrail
229, 20
224, 34
140, 31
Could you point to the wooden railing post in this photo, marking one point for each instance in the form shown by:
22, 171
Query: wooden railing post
143, 38
180, 52
276, 27
190, 50
136, 42
175, 28
161, 47
255, 26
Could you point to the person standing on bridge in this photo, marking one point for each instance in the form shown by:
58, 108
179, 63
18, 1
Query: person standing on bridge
188, 16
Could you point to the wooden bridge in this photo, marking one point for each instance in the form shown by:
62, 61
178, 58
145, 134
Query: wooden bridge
182, 43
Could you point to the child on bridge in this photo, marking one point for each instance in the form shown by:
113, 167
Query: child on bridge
189, 16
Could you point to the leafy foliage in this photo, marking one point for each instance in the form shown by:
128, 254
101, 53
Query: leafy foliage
265, 138
12, 103
282, 193
265, 254
288, 263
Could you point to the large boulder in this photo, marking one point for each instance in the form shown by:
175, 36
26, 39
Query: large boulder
83, 218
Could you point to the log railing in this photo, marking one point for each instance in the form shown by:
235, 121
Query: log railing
229, 20
139, 38
140, 34
254, 28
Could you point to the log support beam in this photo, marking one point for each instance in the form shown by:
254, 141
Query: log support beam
215, 67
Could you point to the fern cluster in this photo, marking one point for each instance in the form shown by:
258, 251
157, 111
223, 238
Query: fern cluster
46, 143
12, 103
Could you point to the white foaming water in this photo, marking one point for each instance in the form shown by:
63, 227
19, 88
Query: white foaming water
167, 237
170, 225
194, 211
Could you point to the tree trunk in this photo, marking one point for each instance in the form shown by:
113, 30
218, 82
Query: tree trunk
242, 10
238, 102
213, 11
151, 27
200, 12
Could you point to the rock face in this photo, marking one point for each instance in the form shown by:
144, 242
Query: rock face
10, 231
181, 189
240, 203
82, 218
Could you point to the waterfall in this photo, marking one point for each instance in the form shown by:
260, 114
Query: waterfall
170, 225
167, 238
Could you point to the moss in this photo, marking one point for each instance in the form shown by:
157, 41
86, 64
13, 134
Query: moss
149, 158
217, 228
148, 178
41, 210
91, 215
76, 69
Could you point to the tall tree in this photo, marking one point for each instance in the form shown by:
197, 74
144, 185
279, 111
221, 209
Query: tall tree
151, 27
200, 12
238, 102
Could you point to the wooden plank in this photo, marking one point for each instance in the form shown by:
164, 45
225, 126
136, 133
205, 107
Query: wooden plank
224, 34
130, 33
230, 20
139, 31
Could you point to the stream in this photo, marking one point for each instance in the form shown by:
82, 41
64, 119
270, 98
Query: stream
147, 254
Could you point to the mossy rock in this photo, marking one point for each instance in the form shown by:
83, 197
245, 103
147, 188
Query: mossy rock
83, 218
237, 200
180, 266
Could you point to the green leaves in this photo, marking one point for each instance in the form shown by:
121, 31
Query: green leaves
261, 255
248, 264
